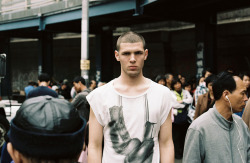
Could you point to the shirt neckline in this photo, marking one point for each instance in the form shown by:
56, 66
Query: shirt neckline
126, 96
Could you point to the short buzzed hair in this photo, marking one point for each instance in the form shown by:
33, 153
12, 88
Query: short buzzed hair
130, 37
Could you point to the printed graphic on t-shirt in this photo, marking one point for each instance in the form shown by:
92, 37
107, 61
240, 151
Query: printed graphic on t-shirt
136, 151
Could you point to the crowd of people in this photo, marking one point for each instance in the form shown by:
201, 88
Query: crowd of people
132, 118
191, 98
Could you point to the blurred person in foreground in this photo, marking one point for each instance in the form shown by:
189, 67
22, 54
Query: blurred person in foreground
219, 135
58, 138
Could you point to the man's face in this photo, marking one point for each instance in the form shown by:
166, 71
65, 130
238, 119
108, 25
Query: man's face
162, 82
93, 85
170, 79
177, 86
238, 97
77, 87
246, 81
131, 57
210, 87
188, 88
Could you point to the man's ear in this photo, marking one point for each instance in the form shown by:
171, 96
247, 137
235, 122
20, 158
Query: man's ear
225, 94
15, 155
117, 55
146, 54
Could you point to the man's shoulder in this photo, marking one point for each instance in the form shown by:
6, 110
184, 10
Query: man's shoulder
240, 122
84, 93
203, 121
42, 90
101, 91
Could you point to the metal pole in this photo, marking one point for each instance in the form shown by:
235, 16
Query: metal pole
85, 63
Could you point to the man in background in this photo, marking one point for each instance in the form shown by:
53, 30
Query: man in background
80, 101
42, 89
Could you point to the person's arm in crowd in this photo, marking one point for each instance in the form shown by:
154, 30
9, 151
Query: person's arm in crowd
193, 148
166, 142
196, 94
95, 139
188, 99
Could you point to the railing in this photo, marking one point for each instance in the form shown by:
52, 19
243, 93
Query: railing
11, 6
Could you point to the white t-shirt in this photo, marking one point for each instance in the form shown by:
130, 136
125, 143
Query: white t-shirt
131, 124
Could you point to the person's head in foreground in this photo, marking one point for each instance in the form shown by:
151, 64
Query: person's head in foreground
230, 91
46, 130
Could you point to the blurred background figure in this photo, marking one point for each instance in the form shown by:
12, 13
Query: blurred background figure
183, 80
80, 102
101, 84
160, 79
42, 89
188, 87
56, 88
180, 124
205, 101
92, 85
29, 88
169, 77
201, 88
65, 89
245, 77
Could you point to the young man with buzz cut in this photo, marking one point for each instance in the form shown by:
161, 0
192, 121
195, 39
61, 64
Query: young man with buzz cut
132, 113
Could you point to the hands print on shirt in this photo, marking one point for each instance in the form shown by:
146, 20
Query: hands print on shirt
134, 150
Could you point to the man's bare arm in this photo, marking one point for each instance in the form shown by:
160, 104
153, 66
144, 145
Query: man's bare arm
166, 142
95, 139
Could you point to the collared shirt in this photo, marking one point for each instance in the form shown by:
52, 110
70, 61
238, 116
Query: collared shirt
200, 90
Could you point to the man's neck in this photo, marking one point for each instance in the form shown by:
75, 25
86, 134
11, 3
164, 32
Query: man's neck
224, 110
83, 88
131, 81
131, 86
45, 84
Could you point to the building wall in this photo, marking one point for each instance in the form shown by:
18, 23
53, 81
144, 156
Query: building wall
233, 47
